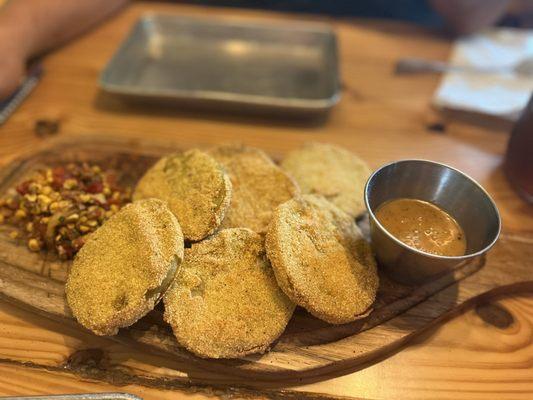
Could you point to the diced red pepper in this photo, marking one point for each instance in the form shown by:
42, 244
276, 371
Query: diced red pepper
58, 177
58, 171
78, 243
111, 179
22, 188
94, 187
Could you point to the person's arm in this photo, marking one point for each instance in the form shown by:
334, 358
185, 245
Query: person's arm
31, 27
468, 16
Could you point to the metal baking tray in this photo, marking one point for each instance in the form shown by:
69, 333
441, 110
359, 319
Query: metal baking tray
290, 66
84, 396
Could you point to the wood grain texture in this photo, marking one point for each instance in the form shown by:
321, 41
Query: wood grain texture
381, 116
308, 348
467, 358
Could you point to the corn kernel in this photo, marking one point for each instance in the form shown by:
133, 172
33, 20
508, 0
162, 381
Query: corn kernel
73, 217
20, 214
85, 198
44, 201
64, 204
34, 245
34, 187
70, 183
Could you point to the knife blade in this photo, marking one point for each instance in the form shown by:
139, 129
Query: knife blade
8, 106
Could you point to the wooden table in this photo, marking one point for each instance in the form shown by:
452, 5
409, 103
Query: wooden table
483, 353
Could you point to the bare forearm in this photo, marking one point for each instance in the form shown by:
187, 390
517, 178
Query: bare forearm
466, 16
36, 26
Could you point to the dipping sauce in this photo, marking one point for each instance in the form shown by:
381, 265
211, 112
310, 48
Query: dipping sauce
423, 226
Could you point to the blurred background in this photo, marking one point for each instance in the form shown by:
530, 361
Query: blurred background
443, 80
486, 74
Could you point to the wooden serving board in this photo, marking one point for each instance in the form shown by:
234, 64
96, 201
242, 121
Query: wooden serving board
309, 348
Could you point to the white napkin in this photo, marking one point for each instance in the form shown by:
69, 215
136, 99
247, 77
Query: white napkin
499, 94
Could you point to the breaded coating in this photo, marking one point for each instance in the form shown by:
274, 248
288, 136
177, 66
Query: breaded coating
225, 301
330, 171
127, 264
321, 260
196, 188
259, 186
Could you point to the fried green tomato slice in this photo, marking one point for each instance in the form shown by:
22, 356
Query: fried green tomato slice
330, 171
259, 186
321, 260
195, 187
127, 264
225, 302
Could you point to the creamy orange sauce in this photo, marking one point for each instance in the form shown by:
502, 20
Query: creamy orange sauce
423, 226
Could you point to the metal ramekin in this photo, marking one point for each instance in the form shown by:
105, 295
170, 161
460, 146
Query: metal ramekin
456, 193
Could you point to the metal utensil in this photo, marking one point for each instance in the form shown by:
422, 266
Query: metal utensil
8, 106
456, 193
82, 396
419, 65
227, 63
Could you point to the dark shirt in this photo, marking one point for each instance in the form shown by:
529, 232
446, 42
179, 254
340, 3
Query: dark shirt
417, 11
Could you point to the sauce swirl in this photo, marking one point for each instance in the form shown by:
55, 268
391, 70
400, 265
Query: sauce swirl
423, 226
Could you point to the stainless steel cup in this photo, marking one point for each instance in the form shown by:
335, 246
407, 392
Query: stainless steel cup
456, 193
